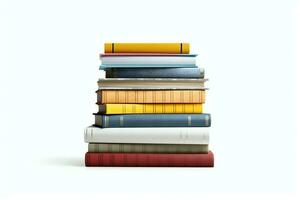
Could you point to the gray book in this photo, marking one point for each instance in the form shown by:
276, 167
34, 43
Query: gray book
151, 84
147, 148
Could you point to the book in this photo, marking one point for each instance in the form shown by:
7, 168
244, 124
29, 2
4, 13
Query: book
175, 48
155, 73
143, 66
149, 108
147, 148
165, 135
150, 84
148, 59
153, 120
150, 96
149, 159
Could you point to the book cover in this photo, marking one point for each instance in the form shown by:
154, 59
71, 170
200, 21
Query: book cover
148, 59
149, 159
147, 148
150, 96
149, 108
153, 120
164, 135
143, 66
155, 73
150, 84
175, 48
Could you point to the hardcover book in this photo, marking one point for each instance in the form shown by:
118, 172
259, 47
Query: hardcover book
153, 120
148, 59
170, 135
149, 159
150, 84
147, 148
175, 48
155, 73
149, 108
150, 96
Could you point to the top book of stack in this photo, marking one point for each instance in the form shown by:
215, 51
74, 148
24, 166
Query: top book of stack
169, 48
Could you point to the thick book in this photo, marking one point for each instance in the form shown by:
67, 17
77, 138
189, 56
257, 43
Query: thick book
149, 160
149, 108
153, 120
150, 96
155, 73
150, 84
147, 148
123, 59
175, 48
164, 135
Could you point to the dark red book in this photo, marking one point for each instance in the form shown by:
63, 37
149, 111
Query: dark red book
149, 160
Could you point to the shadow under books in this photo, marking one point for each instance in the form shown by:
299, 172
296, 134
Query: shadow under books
64, 161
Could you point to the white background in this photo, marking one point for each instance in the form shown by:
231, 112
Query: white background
49, 68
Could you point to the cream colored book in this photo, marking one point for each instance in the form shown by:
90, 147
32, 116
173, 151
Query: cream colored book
168, 135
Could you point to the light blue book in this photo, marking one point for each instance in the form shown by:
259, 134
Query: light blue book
108, 66
137, 61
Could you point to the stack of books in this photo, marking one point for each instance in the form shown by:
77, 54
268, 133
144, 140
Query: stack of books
150, 108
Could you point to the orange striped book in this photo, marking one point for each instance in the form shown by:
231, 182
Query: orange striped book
150, 96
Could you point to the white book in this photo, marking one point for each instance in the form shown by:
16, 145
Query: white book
149, 60
172, 135
151, 83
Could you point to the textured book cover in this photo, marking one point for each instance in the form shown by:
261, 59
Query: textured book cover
155, 73
157, 135
150, 96
153, 120
175, 48
147, 148
150, 83
149, 108
149, 160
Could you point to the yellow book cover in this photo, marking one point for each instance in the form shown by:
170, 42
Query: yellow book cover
173, 48
149, 108
151, 96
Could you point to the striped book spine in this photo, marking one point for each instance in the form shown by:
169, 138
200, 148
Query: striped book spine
149, 108
155, 73
147, 148
151, 96
149, 159
153, 120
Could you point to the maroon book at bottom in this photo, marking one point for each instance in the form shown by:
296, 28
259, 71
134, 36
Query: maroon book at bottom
148, 160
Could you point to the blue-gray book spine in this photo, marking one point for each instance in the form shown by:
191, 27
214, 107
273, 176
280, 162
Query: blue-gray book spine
153, 120
155, 73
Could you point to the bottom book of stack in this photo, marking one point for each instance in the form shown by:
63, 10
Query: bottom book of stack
151, 147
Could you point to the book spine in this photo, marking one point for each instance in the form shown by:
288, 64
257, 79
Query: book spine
151, 96
155, 73
154, 120
149, 160
156, 135
147, 148
172, 48
149, 108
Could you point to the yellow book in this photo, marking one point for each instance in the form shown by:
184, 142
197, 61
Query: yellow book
149, 108
174, 48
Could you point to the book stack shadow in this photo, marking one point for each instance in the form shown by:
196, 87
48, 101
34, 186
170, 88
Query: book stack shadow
150, 108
